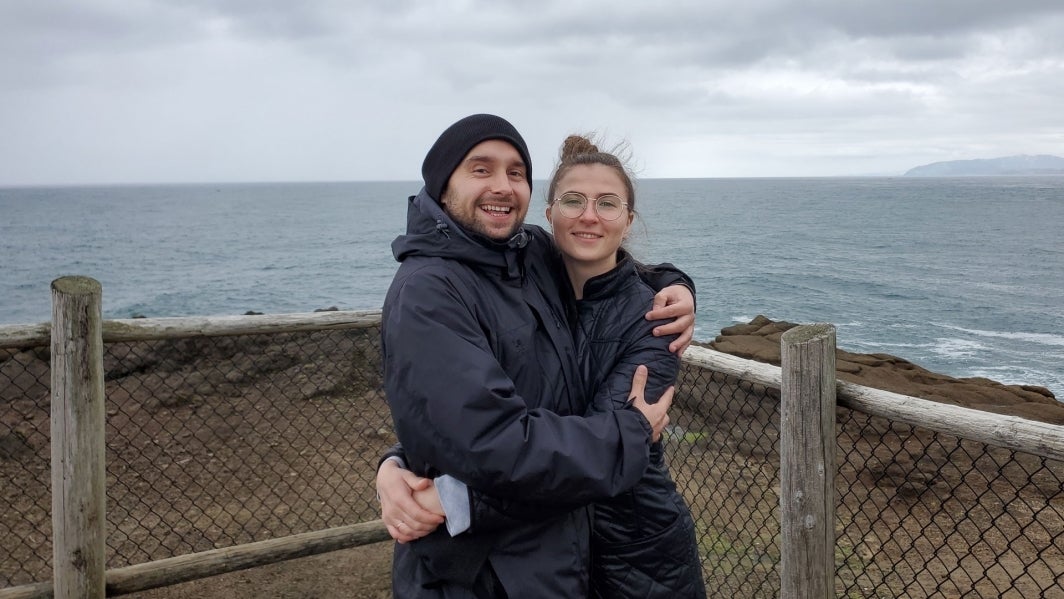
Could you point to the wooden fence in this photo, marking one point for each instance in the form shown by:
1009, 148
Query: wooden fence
809, 394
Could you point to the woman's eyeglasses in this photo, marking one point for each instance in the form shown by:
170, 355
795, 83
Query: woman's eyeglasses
608, 206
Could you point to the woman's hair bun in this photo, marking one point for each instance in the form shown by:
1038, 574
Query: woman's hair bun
575, 145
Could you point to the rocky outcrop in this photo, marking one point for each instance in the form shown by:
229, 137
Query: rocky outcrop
760, 340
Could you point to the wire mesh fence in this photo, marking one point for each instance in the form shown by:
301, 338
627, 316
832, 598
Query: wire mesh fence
926, 514
918, 513
211, 442
218, 441
723, 455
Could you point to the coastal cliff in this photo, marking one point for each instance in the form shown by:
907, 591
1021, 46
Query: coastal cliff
1042, 164
760, 340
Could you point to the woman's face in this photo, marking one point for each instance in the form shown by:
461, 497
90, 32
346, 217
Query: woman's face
589, 241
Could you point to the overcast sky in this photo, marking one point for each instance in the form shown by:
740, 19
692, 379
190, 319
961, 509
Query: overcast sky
111, 91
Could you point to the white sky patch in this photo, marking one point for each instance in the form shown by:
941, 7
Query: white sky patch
109, 91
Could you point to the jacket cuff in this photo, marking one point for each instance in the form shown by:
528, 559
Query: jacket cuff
642, 420
395, 451
454, 497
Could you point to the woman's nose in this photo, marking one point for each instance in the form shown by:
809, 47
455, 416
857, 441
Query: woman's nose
590, 214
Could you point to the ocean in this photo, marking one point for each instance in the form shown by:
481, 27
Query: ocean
963, 276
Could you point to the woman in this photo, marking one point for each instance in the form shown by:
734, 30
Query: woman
643, 542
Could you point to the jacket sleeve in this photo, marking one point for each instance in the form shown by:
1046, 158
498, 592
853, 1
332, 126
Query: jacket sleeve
457, 412
660, 276
640, 347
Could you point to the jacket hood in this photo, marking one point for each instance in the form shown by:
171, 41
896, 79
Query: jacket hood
432, 232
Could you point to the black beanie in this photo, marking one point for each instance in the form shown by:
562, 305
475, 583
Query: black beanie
454, 143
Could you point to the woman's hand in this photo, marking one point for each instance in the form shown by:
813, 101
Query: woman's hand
410, 505
657, 414
678, 303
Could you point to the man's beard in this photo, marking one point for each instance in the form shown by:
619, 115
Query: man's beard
472, 224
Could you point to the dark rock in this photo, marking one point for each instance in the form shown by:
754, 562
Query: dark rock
760, 340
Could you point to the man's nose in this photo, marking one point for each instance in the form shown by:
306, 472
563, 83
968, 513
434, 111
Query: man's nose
501, 183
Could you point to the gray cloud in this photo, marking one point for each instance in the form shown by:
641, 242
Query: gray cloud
142, 90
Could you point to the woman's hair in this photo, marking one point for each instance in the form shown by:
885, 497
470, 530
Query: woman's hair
580, 150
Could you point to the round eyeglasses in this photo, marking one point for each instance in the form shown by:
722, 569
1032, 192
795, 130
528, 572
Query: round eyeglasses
608, 206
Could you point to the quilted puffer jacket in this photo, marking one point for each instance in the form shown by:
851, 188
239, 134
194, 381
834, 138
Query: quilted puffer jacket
643, 540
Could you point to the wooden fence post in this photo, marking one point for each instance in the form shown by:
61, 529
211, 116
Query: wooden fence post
807, 462
77, 422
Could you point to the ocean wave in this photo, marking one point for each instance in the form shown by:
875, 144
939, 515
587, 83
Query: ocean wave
1038, 338
880, 344
1013, 375
953, 347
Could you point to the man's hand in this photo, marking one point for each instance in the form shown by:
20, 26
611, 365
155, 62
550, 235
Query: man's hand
401, 493
657, 414
676, 302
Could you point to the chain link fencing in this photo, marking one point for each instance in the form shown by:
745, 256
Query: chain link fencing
918, 513
219, 441
211, 442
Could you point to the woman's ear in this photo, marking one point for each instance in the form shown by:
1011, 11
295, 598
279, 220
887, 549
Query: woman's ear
547, 214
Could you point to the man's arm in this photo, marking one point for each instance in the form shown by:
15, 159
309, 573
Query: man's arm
457, 411
675, 302
644, 367
411, 506
676, 306
630, 381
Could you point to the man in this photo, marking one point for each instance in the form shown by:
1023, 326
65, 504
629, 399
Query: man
482, 382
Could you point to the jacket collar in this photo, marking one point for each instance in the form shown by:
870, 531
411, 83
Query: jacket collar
432, 232
610, 283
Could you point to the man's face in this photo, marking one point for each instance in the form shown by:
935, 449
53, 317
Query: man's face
488, 193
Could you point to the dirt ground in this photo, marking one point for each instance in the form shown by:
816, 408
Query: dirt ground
360, 573
219, 442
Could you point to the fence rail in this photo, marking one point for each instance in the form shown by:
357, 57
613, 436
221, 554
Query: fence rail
229, 435
147, 329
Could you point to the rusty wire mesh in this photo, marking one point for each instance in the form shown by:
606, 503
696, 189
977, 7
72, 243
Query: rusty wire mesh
211, 442
723, 455
918, 513
214, 442
925, 514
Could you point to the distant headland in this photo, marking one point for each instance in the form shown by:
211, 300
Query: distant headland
1042, 164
